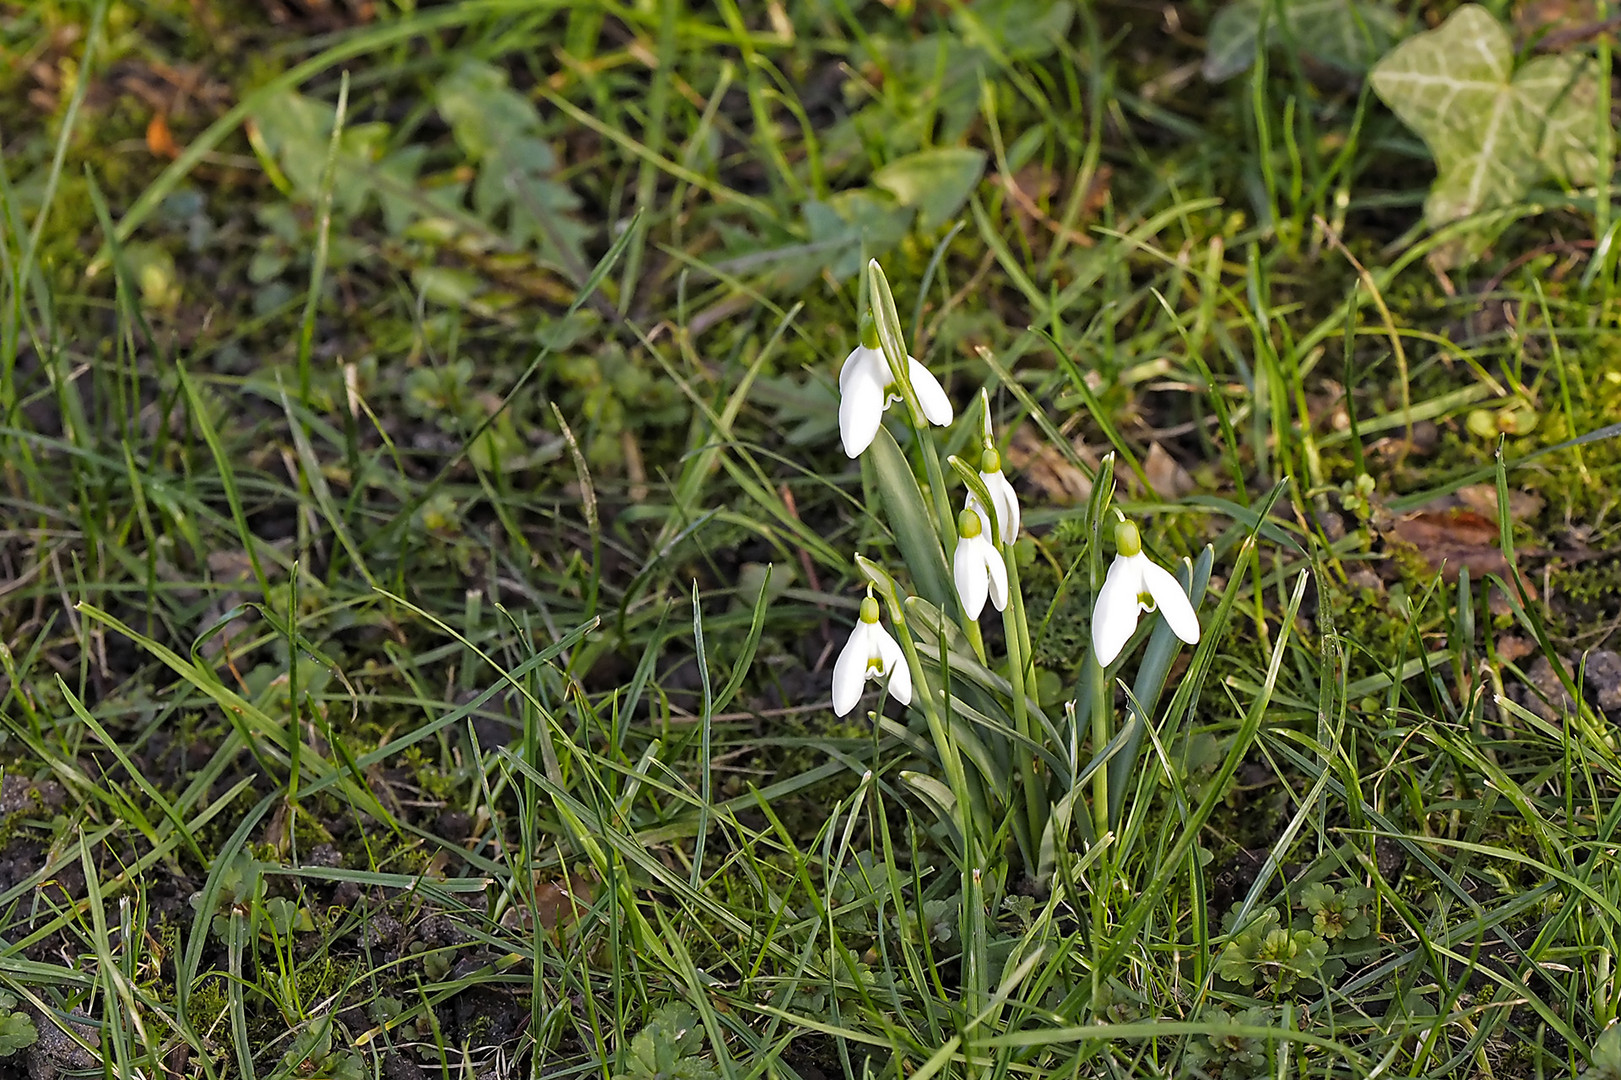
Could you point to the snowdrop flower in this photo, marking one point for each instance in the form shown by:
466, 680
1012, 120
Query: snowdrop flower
869, 654
1003, 498
867, 388
977, 566
1136, 584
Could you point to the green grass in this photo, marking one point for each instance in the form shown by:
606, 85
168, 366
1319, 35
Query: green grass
424, 545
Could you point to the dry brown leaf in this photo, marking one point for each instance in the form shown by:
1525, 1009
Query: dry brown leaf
1482, 499
1048, 470
159, 139
1511, 648
1449, 540
558, 904
1169, 479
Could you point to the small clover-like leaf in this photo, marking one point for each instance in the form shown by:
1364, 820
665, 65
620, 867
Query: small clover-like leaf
1493, 131
669, 1047
1605, 1062
1317, 896
17, 1032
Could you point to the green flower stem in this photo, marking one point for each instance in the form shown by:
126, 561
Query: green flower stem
923, 697
1102, 713
1018, 634
976, 975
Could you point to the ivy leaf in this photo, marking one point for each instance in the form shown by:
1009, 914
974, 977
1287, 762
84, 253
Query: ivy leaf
1345, 34
1493, 131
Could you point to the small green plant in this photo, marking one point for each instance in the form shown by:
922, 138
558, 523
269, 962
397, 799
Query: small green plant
1271, 956
670, 1046
241, 885
17, 1031
1336, 914
1229, 1054
312, 1057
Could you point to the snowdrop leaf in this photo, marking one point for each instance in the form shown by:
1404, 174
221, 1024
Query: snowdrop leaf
908, 517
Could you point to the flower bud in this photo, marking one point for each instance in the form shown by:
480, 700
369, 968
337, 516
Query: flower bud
1127, 540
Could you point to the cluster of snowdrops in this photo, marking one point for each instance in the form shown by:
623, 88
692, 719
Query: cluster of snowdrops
982, 565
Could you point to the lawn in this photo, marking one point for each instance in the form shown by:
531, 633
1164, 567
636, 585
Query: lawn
485, 592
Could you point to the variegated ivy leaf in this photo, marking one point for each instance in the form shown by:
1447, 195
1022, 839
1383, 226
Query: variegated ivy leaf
1345, 34
1493, 131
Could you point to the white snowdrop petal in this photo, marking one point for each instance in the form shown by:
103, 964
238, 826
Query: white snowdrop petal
861, 410
900, 682
850, 671
861, 362
998, 578
1172, 602
1114, 616
968, 570
930, 394
1007, 504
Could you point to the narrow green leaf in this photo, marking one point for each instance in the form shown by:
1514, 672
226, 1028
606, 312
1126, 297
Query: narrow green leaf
908, 515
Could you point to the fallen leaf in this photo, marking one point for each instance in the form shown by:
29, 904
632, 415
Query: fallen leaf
1169, 479
558, 904
1482, 499
1048, 470
159, 139
1511, 648
1449, 540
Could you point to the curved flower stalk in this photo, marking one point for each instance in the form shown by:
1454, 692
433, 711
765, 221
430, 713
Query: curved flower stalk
1136, 584
869, 654
867, 387
976, 565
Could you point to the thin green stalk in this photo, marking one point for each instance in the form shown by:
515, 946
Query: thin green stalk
1017, 636
923, 697
886, 321
1102, 713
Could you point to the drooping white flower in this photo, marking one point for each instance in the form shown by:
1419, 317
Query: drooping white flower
869, 654
867, 388
1135, 584
977, 566
1004, 500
